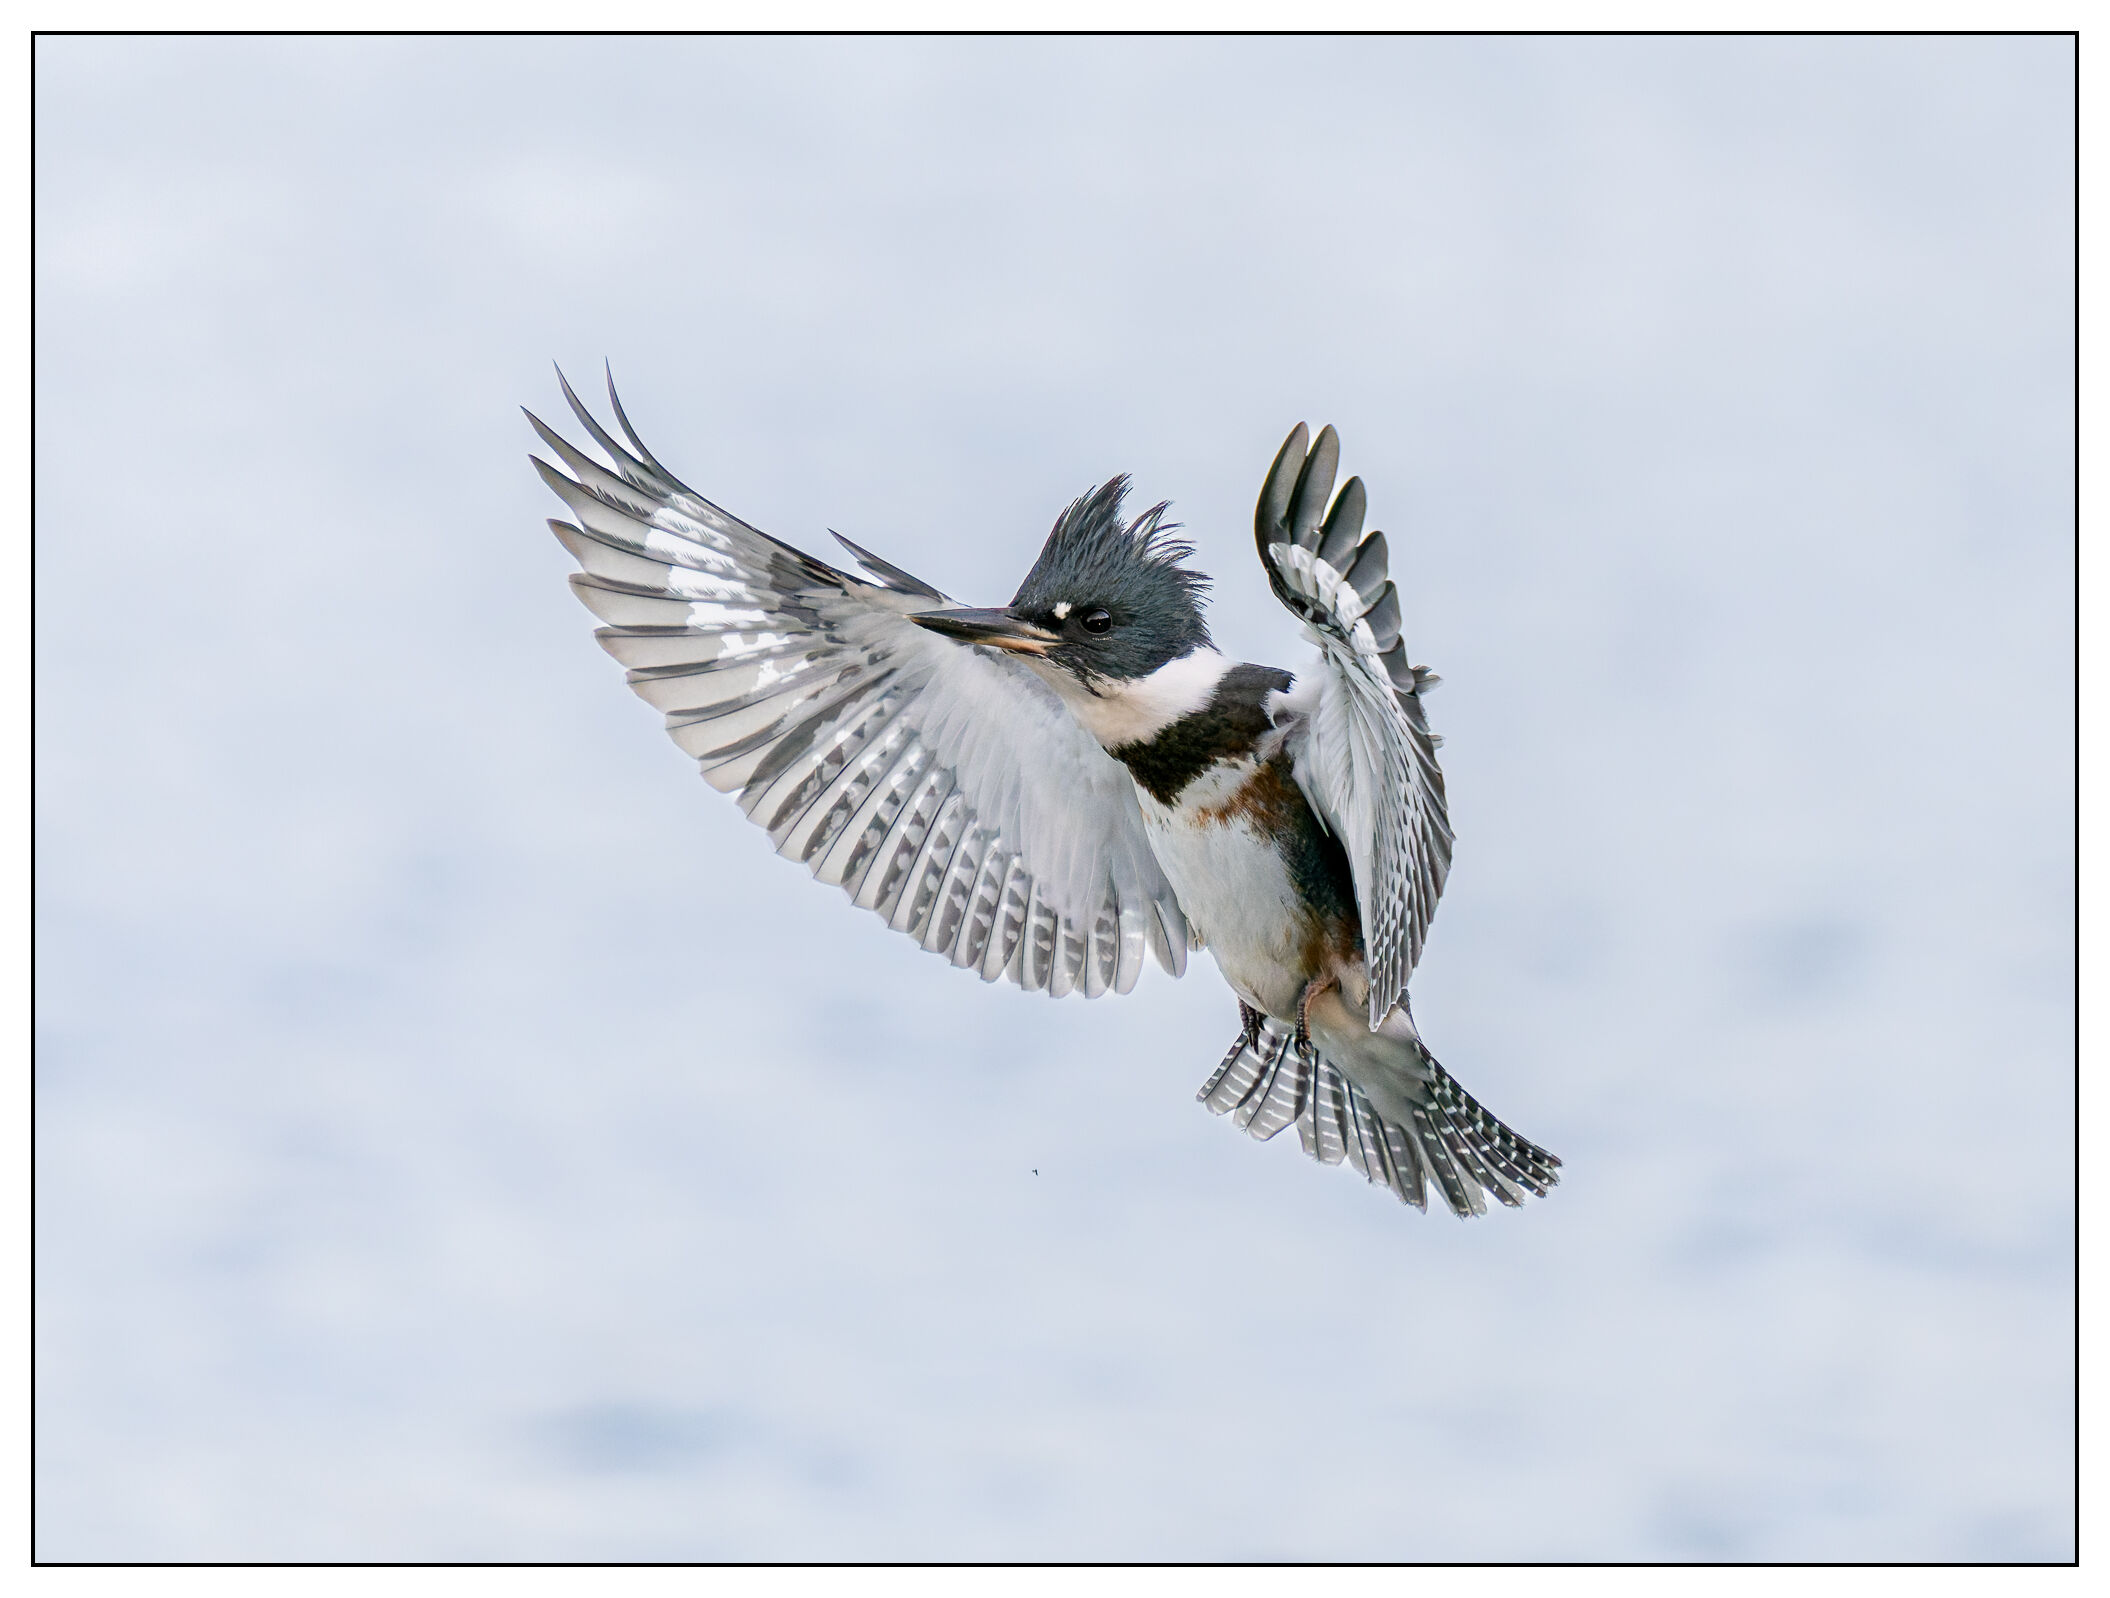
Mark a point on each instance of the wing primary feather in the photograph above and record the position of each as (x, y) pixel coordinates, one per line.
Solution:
(893, 576)
(1314, 488)
(1405, 678)
(1271, 518)
(1367, 572)
(1169, 937)
(625, 463)
(1135, 943)
(1344, 523)
(1383, 618)
(588, 470)
(637, 443)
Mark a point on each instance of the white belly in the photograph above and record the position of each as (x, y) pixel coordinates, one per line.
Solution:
(1236, 891)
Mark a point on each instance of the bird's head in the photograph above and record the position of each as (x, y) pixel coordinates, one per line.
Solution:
(1107, 607)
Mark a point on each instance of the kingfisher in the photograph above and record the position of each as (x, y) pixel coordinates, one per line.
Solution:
(1047, 791)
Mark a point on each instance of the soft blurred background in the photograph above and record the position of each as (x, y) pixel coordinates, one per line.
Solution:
(460, 1137)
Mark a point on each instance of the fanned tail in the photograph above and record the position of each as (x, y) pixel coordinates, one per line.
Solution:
(1268, 1081)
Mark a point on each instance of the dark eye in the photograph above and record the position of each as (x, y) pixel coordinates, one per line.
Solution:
(1096, 621)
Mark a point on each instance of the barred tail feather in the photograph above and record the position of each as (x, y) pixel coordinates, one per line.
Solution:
(1267, 1082)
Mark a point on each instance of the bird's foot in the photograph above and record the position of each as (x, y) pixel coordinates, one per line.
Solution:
(1250, 1019)
(1312, 990)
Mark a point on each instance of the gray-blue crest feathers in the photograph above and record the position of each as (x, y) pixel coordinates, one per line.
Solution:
(1095, 560)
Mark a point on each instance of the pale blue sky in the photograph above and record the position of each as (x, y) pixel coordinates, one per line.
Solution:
(459, 1137)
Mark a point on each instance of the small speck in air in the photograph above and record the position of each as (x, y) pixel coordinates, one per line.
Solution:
(1036, 1170)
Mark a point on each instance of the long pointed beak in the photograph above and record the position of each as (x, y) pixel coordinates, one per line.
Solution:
(999, 629)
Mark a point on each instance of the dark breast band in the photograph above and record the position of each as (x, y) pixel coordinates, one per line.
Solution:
(1228, 727)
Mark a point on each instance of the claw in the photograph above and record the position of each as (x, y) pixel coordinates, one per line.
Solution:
(1250, 1019)
(1312, 990)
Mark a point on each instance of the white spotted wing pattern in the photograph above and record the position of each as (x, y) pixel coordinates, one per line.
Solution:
(941, 785)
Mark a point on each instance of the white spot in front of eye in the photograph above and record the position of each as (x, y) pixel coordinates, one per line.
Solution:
(1062, 611)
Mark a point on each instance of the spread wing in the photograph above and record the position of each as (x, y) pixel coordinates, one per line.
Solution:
(938, 783)
(1361, 747)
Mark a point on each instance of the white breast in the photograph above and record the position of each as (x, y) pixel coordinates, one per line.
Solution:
(1234, 887)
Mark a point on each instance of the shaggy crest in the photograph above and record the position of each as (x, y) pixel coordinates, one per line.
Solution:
(1094, 558)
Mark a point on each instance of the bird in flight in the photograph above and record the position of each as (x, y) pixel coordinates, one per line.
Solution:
(1047, 790)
